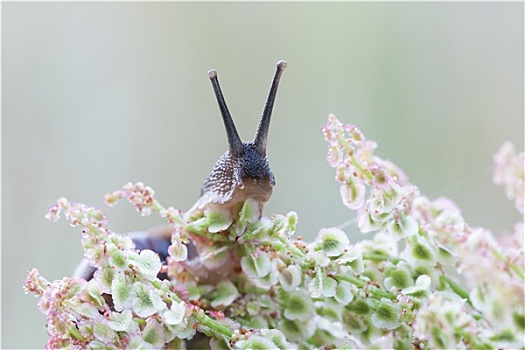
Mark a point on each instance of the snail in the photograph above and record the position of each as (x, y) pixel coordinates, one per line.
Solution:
(242, 172)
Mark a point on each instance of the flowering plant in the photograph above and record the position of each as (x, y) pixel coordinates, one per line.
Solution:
(426, 279)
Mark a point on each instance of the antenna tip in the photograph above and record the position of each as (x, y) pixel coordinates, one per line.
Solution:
(212, 73)
(282, 64)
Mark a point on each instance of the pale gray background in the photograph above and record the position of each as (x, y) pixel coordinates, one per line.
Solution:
(98, 94)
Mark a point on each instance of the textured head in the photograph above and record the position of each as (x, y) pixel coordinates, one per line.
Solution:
(243, 171)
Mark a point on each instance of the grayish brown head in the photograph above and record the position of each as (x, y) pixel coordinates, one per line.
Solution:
(243, 171)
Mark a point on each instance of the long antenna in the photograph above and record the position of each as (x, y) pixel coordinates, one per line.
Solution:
(234, 140)
(261, 136)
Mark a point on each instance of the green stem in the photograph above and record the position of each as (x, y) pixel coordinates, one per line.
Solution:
(140, 321)
(217, 327)
(354, 281)
(456, 288)
(366, 173)
(168, 294)
(373, 289)
(156, 206)
(380, 257)
(293, 249)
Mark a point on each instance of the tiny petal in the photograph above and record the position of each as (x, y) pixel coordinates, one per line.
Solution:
(299, 306)
(153, 333)
(111, 199)
(319, 257)
(386, 315)
(95, 293)
(423, 250)
(122, 293)
(399, 277)
(322, 285)
(344, 293)
(225, 294)
(118, 259)
(256, 264)
(333, 241)
(87, 310)
(103, 332)
(278, 338)
(178, 250)
(352, 259)
(296, 330)
(290, 278)
(175, 314)
(104, 276)
(254, 308)
(403, 227)
(250, 212)
(146, 302)
(213, 257)
(353, 195)
(120, 321)
(509, 172)
(292, 222)
(256, 342)
(35, 283)
(218, 220)
(147, 262)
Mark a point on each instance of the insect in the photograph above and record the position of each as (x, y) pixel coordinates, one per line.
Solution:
(242, 172)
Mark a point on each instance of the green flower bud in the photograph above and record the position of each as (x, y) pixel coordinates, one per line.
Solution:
(299, 306)
(386, 315)
(225, 294)
(322, 285)
(256, 265)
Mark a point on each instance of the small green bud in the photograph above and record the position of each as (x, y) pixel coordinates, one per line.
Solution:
(292, 222)
(120, 321)
(218, 220)
(147, 262)
(253, 308)
(386, 315)
(256, 264)
(299, 306)
(290, 278)
(122, 293)
(399, 278)
(322, 285)
(146, 302)
(102, 332)
(332, 241)
(178, 250)
(344, 293)
(118, 259)
(175, 314)
(153, 333)
(225, 294)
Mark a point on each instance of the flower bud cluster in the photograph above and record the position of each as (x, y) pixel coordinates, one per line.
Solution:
(237, 281)
(509, 172)
(439, 248)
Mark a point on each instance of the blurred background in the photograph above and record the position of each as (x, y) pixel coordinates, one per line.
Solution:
(98, 94)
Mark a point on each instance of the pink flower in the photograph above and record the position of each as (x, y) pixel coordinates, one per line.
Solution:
(509, 172)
